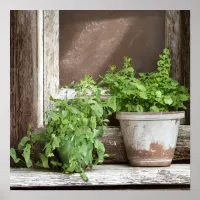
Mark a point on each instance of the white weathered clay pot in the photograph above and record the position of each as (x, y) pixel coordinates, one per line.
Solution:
(149, 137)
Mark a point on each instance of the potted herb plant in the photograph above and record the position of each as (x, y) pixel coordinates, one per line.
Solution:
(149, 108)
(70, 139)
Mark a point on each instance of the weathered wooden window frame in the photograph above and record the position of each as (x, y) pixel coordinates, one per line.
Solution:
(35, 76)
(35, 63)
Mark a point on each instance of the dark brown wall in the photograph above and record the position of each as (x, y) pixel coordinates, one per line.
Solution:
(90, 41)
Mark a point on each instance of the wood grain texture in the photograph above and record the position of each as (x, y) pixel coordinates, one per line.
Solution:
(185, 55)
(51, 55)
(173, 41)
(23, 74)
(177, 39)
(102, 175)
(113, 142)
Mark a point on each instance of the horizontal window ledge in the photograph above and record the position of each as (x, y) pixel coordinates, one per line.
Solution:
(102, 175)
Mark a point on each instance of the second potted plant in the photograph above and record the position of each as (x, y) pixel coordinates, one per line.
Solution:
(149, 109)
(70, 139)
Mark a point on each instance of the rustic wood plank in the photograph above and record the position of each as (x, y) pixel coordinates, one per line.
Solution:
(23, 74)
(185, 55)
(173, 41)
(113, 142)
(102, 175)
(51, 55)
(40, 31)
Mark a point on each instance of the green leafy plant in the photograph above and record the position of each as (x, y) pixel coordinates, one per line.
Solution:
(153, 91)
(88, 86)
(71, 137)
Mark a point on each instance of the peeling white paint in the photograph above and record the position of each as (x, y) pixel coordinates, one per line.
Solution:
(141, 134)
(104, 175)
(40, 68)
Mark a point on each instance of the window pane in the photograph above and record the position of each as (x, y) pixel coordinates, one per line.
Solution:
(90, 41)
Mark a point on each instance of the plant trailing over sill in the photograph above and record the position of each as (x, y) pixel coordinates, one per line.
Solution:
(151, 92)
(70, 140)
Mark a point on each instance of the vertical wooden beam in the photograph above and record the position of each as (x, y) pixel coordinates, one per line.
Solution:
(177, 40)
(185, 55)
(23, 74)
(40, 32)
(173, 41)
(51, 55)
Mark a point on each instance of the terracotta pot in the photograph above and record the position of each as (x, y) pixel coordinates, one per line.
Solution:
(150, 137)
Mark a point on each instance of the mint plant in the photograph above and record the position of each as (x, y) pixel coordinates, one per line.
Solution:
(151, 92)
(71, 138)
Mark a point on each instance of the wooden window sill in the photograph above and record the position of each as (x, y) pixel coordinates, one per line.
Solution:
(105, 175)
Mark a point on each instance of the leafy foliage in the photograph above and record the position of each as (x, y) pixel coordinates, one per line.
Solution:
(153, 91)
(73, 126)
(71, 136)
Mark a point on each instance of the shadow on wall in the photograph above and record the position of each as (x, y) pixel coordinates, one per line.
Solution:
(91, 41)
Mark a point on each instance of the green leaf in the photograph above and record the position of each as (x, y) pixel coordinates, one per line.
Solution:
(64, 113)
(166, 51)
(139, 108)
(181, 105)
(26, 155)
(74, 110)
(97, 109)
(56, 142)
(140, 87)
(71, 127)
(130, 107)
(56, 163)
(54, 116)
(48, 150)
(50, 155)
(23, 142)
(141, 74)
(83, 176)
(93, 122)
(143, 95)
(168, 100)
(106, 155)
(50, 129)
(14, 155)
(71, 167)
(39, 137)
(174, 83)
(112, 68)
(154, 109)
(44, 161)
(158, 93)
(184, 97)
(100, 150)
(111, 102)
(65, 121)
(85, 121)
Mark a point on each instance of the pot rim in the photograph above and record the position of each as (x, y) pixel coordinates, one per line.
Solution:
(145, 116)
